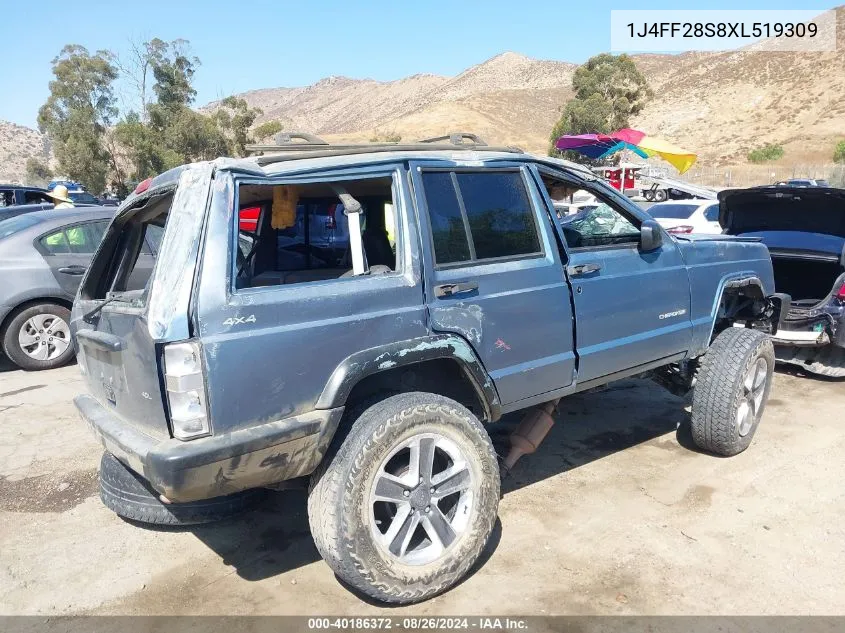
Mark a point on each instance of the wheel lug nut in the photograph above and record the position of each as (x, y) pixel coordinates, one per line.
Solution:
(406, 493)
(427, 509)
(432, 490)
(421, 479)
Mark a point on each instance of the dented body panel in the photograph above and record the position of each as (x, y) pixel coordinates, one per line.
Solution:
(280, 362)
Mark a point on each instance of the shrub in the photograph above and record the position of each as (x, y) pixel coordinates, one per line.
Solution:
(765, 154)
(839, 152)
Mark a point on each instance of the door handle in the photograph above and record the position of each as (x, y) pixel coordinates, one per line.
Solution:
(583, 269)
(73, 270)
(452, 290)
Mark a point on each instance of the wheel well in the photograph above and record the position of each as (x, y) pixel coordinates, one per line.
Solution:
(443, 376)
(739, 303)
(31, 302)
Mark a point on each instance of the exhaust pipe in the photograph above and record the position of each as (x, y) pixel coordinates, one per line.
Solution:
(531, 431)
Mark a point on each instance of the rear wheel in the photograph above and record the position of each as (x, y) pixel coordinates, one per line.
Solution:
(38, 337)
(731, 391)
(404, 507)
(660, 195)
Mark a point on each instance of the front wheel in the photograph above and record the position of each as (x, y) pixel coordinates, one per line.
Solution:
(731, 391)
(407, 503)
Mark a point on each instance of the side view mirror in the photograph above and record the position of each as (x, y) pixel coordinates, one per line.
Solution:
(651, 237)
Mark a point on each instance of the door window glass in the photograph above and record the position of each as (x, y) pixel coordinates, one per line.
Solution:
(501, 219)
(711, 213)
(477, 216)
(444, 212)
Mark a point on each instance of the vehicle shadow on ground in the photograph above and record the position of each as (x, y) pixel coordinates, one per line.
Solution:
(275, 538)
(593, 425)
(6, 364)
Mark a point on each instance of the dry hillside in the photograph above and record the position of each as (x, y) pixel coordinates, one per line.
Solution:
(719, 105)
(17, 143)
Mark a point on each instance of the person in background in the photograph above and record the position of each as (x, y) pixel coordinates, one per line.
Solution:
(59, 194)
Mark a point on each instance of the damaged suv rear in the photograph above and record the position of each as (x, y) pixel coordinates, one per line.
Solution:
(804, 229)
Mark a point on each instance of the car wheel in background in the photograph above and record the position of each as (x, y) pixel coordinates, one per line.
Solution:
(38, 337)
(660, 195)
(731, 390)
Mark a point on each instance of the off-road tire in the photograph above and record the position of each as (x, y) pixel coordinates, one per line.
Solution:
(338, 508)
(718, 391)
(130, 496)
(12, 348)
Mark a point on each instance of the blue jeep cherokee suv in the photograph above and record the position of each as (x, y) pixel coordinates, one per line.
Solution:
(374, 364)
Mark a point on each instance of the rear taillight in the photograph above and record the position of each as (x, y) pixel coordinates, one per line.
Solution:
(840, 294)
(143, 186)
(185, 384)
(683, 228)
(331, 223)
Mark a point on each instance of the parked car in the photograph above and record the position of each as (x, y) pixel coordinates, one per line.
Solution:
(17, 195)
(687, 216)
(43, 255)
(802, 182)
(236, 366)
(804, 230)
(84, 199)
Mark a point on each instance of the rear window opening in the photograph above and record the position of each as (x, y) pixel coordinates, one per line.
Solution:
(299, 233)
(124, 264)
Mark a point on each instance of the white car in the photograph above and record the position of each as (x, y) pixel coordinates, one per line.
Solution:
(687, 216)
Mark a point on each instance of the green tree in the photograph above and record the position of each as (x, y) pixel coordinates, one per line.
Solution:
(79, 110)
(764, 154)
(234, 117)
(609, 90)
(266, 130)
(37, 172)
(839, 152)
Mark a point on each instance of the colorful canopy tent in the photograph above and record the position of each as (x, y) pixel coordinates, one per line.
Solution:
(601, 145)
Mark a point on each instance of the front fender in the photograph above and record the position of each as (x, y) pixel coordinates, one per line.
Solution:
(359, 365)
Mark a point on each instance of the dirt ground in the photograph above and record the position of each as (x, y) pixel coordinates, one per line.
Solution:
(615, 514)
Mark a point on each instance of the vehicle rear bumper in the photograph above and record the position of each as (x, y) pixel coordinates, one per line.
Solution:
(220, 464)
(813, 327)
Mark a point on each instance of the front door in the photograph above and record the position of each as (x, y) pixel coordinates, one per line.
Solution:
(494, 274)
(631, 307)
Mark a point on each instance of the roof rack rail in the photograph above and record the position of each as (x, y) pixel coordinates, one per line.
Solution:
(456, 138)
(299, 145)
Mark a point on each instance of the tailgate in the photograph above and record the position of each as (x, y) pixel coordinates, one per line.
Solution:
(136, 297)
(118, 361)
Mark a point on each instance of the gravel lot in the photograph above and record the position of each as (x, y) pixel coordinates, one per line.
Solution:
(615, 514)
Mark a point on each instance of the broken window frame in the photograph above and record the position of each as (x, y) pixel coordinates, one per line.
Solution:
(335, 176)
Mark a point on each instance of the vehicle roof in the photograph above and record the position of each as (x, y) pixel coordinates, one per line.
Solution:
(27, 187)
(688, 201)
(60, 217)
(307, 161)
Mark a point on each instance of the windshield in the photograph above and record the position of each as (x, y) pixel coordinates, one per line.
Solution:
(15, 224)
(672, 211)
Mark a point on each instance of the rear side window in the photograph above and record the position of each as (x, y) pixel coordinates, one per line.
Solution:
(711, 213)
(36, 197)
(7, 197)
(672, 211)
(480, 216)
(81, 239)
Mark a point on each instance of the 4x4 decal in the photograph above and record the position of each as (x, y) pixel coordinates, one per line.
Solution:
(239, 320)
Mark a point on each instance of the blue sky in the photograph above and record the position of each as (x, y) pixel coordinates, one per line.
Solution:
(248, 44)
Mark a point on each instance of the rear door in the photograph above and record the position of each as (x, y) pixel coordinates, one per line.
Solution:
(494, 274)
(68, 252)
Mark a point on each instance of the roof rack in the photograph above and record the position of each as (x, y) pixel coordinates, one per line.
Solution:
(305, 145)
